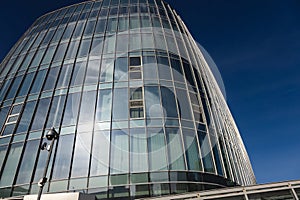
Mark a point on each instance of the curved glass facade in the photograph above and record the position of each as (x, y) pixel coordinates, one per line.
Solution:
(137, 108)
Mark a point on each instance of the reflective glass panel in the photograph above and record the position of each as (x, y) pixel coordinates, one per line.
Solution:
(138, 150)
(103, 112)
(63, 157)
(10, 168)
(40, 114)
(119, 152)
(82, 153)
(71, 110)
(100, 153)
(28, 160)
(175, 152)
(157, 148)
(120, 104)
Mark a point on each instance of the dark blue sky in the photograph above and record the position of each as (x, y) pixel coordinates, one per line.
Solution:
(256, 45)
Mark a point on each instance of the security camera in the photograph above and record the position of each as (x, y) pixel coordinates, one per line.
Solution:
(52, 134)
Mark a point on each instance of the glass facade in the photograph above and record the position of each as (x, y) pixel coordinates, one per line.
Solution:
(137, 108)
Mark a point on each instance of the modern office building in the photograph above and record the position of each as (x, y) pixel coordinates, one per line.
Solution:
(137, 108)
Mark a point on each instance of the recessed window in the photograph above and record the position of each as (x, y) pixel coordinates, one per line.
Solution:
(135, 61)
(12, 119)
(136, 103)
(135, 68)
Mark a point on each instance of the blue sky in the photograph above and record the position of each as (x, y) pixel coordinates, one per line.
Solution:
(256, 46)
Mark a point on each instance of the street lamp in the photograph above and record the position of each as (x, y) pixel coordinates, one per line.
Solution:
(52, 135)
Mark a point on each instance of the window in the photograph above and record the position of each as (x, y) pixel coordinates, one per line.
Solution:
(136, 103)
(11, 165)
(12, 119)
(135, 68)
(157, 148)
(175, 151)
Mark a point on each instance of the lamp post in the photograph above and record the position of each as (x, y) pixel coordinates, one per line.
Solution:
(52, 135)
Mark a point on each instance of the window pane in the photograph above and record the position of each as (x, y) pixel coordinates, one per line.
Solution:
(63, 157)
(112, 25)
(107, 69)
(26, 117)
(103, 112)
(147, 41)
(92, 72)
(89, 28)
(168, 102)
(135, 61)
(38, 40)
(10, 168)
(121, 45)
(121, 69)
(48, 37)
(14, 87)
(134, 21)
(97, 47)
(84, 48)
(205, 151)
(138, 150)
(177, 71)
(71, 110)
(3, 150)
(41, 114)
(175, 152)
(65, 75)
(26, 84)
(135, 42)
(58, 34)
(26, 62)
(51, 79)
(82, 153)
(160, 42)
(28, 161)
(100, 156)
(136, 93)
(60, 53)
(101, 25)
(49, 54)
(119, 152)
(4, 88)
(191, 150)
(78, 74)
(123, 23)
(150, 68)
(87, 107)
(79, 29)
(157, 148)
(72, 50)
(55, 112)
(3, 115)
(183, 100)
(38, 57)
(163, 68)
(120, 108)
(38, 82)
(152, 99)
(109, 44)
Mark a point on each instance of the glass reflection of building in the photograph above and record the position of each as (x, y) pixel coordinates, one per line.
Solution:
(138, 110)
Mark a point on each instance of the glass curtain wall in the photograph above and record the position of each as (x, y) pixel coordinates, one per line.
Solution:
(130, 94)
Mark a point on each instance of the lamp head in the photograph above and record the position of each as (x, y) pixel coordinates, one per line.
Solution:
(52, 134)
